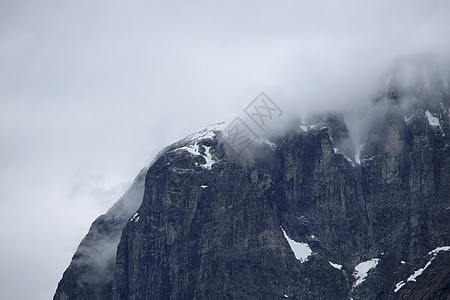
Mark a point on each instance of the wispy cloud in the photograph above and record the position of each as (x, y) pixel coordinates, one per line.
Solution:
(90, 91)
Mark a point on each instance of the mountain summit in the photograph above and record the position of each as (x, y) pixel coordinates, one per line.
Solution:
(308, 215)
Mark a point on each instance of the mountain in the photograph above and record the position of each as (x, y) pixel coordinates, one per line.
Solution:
(305, 214)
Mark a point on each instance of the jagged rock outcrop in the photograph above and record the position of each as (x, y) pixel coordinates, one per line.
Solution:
(295, 218)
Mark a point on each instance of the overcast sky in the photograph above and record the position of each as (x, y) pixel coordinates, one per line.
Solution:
(91, 90)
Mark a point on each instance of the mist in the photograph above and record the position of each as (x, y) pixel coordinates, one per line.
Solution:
(91, 91)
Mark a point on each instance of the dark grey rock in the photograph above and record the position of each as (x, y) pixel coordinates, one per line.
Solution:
(90, 274)
(215, 231)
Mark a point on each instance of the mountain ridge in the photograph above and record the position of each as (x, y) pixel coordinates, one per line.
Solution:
(214, 225)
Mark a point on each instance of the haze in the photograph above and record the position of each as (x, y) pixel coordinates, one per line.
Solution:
(91, 90)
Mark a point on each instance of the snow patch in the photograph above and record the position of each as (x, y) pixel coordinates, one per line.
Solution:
(368, 159)
(398, 286)
(265, 141)
(208, 132)
(135, 217)
(407, 119)
(419, 272)
(434, 253)
(301, 250)
(433, 121)
(439, 249)
(194, 149)
(305, 128)
(336, 266)
(338, 151)
(209, 159)
(363, 268)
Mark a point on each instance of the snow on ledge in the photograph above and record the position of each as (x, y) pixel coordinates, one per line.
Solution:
(433, 121)
(265, 141)
(407, 119)
(362, 269)
(305, 128)
(339, 152)
(209, 159)
(398, 286)
(301, 250)
(207, 133)
(135, 217)
(194, 149)
(419, 272)
(439, 249)
(434, 253)
(336, 266)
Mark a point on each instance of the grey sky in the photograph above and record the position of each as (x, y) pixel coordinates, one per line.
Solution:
(91, 90)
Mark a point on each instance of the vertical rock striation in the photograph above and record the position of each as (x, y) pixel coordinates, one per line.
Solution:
(214, 226)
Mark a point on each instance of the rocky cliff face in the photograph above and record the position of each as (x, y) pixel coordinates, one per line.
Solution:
(300, 217)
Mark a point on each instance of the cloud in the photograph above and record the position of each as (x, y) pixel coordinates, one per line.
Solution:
(92, 90)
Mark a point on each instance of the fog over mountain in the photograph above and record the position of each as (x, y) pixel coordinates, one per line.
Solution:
(230, 214)
(91, 92)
